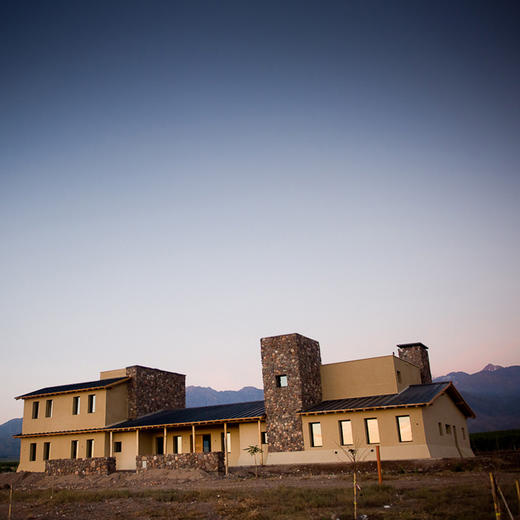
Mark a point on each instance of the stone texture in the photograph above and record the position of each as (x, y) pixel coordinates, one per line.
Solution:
(417, 354)
(299, 358)
(151, 390)
(94, 466)
(211, 462)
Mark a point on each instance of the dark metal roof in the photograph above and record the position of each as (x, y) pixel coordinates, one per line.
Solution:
(89, 385)
(413, 395)
(220, 412)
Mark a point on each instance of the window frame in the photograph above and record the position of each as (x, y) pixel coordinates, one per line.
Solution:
(367, 430)
(118, 446)
(341, 436)
(399, 429)
(177, 444)
(35, 409)
(315, 435)
(32, 451)
(282, 381)
(91, 403)
(49, 405)
(46, 450)
(74, 446)
(89, 449)
(76, 405)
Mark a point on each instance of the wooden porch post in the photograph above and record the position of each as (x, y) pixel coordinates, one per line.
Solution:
(226, 462)
(164, 442)
(111, 448)
(260, 443)
(136, 442)
(193, 438)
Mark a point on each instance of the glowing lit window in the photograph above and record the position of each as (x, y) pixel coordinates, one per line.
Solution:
(404, 427)
(345, 428)
(316, 437)
(372, 429)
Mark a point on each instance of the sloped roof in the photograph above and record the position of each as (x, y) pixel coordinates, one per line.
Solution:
(203, 414)
(75, 387)
(413, 395)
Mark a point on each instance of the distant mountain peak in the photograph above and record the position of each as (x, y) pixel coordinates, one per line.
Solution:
(491, 368)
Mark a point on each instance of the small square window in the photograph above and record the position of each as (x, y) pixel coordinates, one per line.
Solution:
(281, 380)
(48, 408)
(118, 447)
(32, 452)
(35, 409)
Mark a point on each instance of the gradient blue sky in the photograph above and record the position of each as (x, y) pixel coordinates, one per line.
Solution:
(179, 179)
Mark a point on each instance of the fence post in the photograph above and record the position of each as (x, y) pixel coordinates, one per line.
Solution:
(10, 512)
(379, 472)
(496, 503)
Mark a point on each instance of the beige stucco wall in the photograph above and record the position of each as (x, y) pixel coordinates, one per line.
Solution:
(110, 374)
(60, 448)
(116, 404)
(362, 377)
(444, 411)
(126, 458)
(62, 418)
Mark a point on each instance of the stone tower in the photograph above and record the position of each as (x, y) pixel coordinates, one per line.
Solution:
(292, 381)
(417, 354)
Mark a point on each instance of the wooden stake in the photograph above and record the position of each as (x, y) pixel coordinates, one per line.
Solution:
(111, 450)
(505, 503)
(496, 503)
(379, 472)
(165, 445)
(193, 437)
(10, 512)
(518, 495)
(355, 497)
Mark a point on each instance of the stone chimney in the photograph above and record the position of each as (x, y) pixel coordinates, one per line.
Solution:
(292, 381)
(417, 354)
(151, 390)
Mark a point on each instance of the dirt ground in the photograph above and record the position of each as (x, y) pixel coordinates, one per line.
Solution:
(428, 492)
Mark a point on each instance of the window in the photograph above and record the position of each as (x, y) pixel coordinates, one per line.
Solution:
(281, 381)
(399, 380)
(90, 448)
(32, 451)
(91, 403)
(206, 443)
(159, 445)
(463, 434)
(118, 447)
(73, 449)
(448, 429)
(372, 429)
(441, 433)
(177, 444)
(228, 441)
(35, 409)
(345, 430)
(46, 450)
(316, 437)
(75, 405)
(264, 437)
(404, 428)
(48, 408)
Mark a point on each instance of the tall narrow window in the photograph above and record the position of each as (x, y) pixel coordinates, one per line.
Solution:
(73, 449)
(32, 451)
(118, 447)
(345, 430)
(90, 448)
(399, 380)
(75, 405)
(448, 429)
(264, 437)
(372, 429)
(35, 409)
(316, 437)
(206, 443)
(228, 441)
(177, 444)
(404, 428)
(281, 380)
(441, 433)
(46, 450)
(92, 403)
(159, 445)
(48, 408)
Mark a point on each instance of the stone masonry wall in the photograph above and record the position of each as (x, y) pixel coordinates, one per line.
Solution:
(94, 466)
(418, 356)
(299, 358)
(211, 462)
(151, 390)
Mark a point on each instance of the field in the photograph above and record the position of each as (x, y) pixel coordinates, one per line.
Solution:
(448, 490)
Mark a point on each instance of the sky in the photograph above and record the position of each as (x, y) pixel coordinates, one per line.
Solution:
(180, 179)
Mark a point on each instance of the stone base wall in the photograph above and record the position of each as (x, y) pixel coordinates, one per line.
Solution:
(210, 462)
(94, 466)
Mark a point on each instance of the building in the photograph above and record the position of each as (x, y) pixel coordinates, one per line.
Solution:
(311, 413)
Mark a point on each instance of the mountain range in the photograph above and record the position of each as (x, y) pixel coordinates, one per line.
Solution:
(493, 394)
